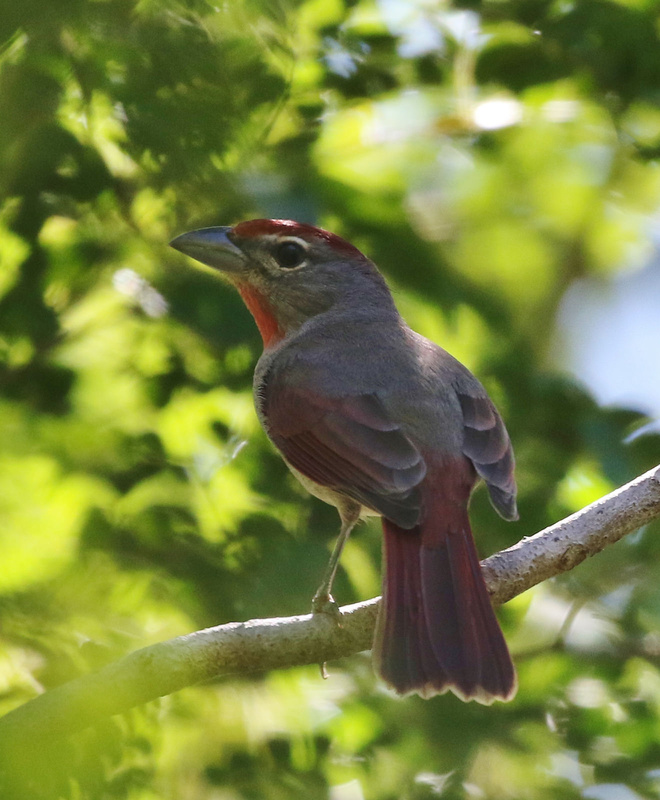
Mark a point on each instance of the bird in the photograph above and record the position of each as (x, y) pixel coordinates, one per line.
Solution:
(375, 419)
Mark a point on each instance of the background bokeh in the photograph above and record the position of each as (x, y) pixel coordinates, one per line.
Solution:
(499, 161)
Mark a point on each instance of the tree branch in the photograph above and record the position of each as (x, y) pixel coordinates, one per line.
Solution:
(260, 645)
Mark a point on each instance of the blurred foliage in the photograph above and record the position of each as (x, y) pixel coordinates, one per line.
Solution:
(485, 155)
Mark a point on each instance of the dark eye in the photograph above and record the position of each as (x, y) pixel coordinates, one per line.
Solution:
(289, 254)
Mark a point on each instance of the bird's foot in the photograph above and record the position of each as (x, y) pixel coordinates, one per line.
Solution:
(324, 603)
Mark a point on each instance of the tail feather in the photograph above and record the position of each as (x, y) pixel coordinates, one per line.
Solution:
(402, 647)
(437, 630)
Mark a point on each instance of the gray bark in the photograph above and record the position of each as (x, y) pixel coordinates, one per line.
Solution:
(260, 645)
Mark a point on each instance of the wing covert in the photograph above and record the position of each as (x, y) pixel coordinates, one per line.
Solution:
(347, 444)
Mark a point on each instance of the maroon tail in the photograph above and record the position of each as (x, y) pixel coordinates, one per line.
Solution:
(437, 630)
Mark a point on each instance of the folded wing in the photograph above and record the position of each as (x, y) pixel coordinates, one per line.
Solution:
(347, 444)
(486, 443)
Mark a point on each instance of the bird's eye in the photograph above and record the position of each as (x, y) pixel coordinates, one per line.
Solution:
(289, 254)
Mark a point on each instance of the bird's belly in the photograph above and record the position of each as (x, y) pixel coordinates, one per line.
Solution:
(326, 494)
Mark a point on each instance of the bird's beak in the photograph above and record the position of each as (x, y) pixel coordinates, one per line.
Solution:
(212, 247)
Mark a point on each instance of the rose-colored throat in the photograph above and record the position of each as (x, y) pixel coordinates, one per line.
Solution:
(269, 327)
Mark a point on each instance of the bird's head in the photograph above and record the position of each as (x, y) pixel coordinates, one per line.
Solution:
(288, 272)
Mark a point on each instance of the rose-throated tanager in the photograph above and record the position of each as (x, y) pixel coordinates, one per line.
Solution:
(377, 420)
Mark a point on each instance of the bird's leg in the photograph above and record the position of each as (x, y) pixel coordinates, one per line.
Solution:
(323, 600)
